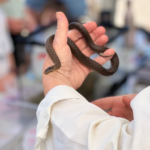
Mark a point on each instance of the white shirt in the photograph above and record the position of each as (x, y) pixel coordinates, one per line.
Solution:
(6, 45)
(67, 121)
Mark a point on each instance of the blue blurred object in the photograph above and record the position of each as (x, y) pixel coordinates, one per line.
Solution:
(142, 43)
(74, 8)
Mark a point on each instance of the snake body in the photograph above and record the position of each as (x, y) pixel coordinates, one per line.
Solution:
(79, 55)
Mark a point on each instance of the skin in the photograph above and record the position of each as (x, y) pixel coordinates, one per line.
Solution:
(118, 106)
(72, 73)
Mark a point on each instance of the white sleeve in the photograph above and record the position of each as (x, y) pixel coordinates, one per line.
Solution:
(67, 121)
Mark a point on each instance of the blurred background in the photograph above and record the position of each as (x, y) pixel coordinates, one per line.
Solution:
(24, 28)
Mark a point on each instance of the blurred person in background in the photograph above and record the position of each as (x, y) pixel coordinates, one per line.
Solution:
(16, 25)
(42, 13)
(7, 62)
(35, 13)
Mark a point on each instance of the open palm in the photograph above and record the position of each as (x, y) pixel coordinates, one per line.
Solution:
(71, 69)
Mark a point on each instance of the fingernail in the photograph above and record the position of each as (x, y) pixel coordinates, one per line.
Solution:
(58, 15)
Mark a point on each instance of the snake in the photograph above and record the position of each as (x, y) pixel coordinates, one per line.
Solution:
(90, 63)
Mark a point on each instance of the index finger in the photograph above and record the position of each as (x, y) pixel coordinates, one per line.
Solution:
(75, 34)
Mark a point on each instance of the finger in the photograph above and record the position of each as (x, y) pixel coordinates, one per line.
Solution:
(102, 40)
(60, 39)
(91, 27)
(127, 100)
(75, 34)
(99, 31)
(131, 96)
(103, 60)
(95, 34)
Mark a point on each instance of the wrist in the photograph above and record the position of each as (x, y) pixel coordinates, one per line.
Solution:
(53, 80)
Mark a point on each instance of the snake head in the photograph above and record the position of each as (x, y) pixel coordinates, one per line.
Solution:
(49, 70)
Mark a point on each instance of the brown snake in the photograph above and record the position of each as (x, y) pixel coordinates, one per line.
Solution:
(79, 55)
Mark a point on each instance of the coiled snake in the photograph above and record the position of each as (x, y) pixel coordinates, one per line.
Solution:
(79, 55)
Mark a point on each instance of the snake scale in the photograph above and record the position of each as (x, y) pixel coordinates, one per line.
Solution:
(79, 55)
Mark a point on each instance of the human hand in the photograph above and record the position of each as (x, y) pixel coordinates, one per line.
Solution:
(118, 106)
(15, 25)
(72, 72)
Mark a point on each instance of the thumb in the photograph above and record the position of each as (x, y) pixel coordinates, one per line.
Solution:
(60, 39)
(126, 100)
